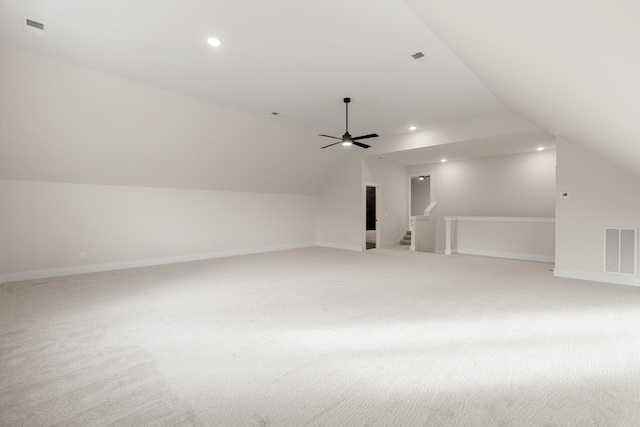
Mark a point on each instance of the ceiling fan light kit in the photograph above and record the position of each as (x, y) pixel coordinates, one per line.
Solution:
(346, 139)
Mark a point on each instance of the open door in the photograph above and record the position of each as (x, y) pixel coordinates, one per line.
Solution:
(372, 225)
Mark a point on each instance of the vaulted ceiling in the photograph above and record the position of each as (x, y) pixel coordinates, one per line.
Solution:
(572, 67)
(569, 69)
(297, 58)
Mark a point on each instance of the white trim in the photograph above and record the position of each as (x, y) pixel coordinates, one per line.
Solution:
(96, 268)
(499, 219)
(340, 246)
(432, 205)
(597, 277)
(391, 244)
(447, 243)
(509, 255)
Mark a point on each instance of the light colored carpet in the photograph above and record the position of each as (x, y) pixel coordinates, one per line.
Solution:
(321, 337)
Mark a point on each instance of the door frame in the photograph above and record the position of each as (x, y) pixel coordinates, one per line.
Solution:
(378, 188)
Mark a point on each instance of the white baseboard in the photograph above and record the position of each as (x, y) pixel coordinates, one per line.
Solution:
(597, 277)
(390, 244)
(340, 246)
(95, 268)
(509, 255)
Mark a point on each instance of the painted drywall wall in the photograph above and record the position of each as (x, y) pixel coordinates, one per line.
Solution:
(340, 213)
(394, 217)
(600, 195)
(515, 185)
(47, 224)
(64, 123)
(528, 239)
(1, 231)
(420, 195)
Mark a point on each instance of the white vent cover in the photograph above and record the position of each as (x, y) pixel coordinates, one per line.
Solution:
(33, 26)
(621, 251)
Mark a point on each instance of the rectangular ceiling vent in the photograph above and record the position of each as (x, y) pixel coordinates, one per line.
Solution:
(621, 251)
(34, 27)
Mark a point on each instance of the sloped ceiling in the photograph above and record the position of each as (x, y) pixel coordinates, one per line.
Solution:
(297, 58)
(571, 67)
(64, 123)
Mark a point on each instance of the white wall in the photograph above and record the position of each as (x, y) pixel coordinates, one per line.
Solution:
(47, 224)
(515, 185)
(601, 195)
(64, 123)
(394, 216)
(340, 215)
(132, 174)
(2, 203)
(424, 234)
(530, 239)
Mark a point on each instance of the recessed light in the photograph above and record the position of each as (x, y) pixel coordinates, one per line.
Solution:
(213, 41)
(275, 113)
(540, 149)
(412, 128)
(443, 161)
(421, 178)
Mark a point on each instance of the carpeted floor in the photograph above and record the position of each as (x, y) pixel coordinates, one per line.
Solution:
(321, 337)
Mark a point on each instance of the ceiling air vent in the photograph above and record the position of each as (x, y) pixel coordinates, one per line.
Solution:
(34, 27)
(621, 251)
(35, 24)
(417, 55)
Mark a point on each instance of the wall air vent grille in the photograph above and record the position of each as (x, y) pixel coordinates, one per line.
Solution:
(621, 251)
(35, 24)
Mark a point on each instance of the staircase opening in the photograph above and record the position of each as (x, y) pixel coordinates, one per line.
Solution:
(406, 239)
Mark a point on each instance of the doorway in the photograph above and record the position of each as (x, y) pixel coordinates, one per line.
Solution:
(372, 226)
(420, 194)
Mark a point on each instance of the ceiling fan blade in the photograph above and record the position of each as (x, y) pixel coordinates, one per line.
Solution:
(339, 142)
(371, 135)
(360, 144)
(334, 137)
